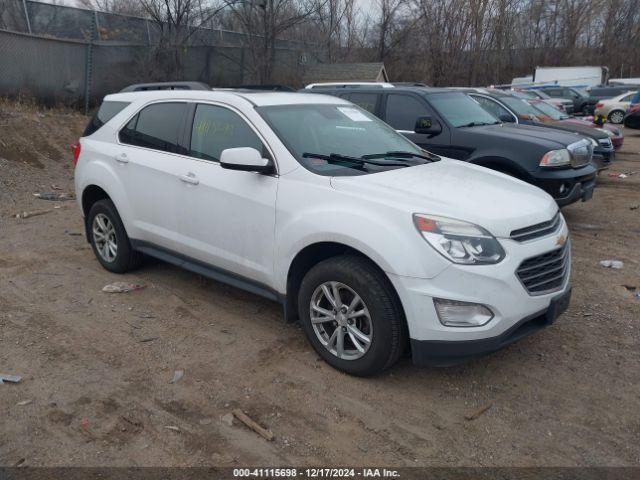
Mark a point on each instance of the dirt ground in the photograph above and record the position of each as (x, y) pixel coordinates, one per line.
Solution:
(96, 367)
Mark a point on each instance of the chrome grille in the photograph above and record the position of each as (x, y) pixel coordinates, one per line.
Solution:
(581, 152)
(545, 273)
(537, 230)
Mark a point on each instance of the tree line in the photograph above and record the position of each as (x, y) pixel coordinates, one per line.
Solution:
(439, 42)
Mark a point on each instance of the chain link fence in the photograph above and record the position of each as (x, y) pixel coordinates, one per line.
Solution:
(74, 56)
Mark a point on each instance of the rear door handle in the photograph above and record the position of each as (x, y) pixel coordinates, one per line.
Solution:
(122, 158)
(190, 178)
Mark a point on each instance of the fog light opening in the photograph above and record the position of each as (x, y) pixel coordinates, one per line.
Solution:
(453, 313)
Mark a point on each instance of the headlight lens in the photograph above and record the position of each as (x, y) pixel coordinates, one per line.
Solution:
(593, 142)
(556, 158)
(458, 241)
(608, 132)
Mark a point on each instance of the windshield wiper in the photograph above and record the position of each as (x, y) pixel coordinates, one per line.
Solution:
(428, 156)
(477, 124)
(338, 158)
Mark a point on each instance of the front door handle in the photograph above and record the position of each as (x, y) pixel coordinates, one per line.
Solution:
(190, 178)
(122, 158)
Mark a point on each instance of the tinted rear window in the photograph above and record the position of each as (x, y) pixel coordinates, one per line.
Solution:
(157, 126)
(106, 112)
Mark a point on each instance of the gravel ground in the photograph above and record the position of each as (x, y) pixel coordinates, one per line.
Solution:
(97, 367)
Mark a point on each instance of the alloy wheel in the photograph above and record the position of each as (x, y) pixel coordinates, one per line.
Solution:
(616, 117)
(341, 320)
(104, 237)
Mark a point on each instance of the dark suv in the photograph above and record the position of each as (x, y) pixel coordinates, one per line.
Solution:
(510, 108)
(582, 101)
(451, 124)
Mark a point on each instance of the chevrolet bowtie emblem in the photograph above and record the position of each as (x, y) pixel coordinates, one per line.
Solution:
(561, 240)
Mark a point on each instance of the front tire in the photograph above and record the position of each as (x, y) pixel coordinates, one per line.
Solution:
(109, 239)
(352, 316)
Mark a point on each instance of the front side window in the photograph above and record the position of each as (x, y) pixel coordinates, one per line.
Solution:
(314, 132)
(521, 107)
(403, 111)
(460, 110)
(157, 126)
(492, 107)
(217, 128)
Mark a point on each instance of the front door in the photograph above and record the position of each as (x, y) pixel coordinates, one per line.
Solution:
(401, 112)
(227, 217)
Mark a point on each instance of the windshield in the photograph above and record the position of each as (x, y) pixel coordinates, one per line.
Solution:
(583, 93)
(521, 107)
(550, 110)
(315, 132)
(460, 110)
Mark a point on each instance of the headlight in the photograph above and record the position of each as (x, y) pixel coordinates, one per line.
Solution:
(556, 158)
(458, 241)
(593, 142)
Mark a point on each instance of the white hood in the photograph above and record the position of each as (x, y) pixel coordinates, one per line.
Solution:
(459, 190)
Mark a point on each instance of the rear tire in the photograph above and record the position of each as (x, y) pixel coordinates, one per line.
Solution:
(373, 331)
(616, 116)
(109, 239)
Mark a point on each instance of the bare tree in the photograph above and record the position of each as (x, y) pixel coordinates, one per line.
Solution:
(265, 22)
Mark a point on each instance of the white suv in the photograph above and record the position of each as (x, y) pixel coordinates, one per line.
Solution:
(376, 246)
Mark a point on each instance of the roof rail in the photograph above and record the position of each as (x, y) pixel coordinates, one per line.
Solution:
(141, 87)
(313, 86)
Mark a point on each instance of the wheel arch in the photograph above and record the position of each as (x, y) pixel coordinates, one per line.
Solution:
(310, 256)
(90, 195)
(501, 164)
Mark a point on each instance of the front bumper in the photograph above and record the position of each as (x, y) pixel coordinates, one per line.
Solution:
(498, 287)
(617, 142)
(568, 185)
(447, 353)
(602, 158)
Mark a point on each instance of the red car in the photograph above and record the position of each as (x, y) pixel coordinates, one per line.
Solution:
(617, 139)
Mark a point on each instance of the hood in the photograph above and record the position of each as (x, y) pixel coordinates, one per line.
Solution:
(455, 189)
(592, 126)
(550, 138)
(586, 130)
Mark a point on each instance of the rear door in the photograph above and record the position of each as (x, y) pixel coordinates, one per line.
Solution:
(227, 217)
(366, 100)
(402, 110)
(147, 155)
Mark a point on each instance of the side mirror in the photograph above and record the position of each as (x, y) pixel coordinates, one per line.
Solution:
(245, 159)
(506, 118)
(427, 125)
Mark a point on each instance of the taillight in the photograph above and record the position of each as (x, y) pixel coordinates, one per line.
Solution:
(599, 105)
(634, 108)
(76, 153)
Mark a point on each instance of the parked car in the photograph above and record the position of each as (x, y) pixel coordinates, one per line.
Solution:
(582, 102)
(613, 109)
(632, 117)
(509, 108)
(375, 245)
(449, 123)
(614, 133)
(562, 104)
(608, 91)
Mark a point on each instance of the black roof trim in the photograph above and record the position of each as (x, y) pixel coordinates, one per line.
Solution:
(141, 87)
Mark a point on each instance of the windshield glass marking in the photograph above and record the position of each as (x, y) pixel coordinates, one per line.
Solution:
(335, 132)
